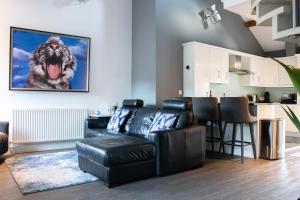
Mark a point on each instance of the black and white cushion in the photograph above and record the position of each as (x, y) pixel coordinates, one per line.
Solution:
(163, 121)
(117, 121)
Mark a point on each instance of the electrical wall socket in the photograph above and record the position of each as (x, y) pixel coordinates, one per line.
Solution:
(180, 92)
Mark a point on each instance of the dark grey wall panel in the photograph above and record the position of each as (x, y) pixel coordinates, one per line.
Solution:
(178, 22)
(160, 27)
(144, 50)
(279, 53)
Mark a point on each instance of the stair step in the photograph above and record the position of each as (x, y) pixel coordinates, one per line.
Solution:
(266, 20)
(281, 15)
(268, 4)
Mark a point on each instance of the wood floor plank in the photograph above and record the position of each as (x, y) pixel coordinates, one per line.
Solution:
(219, 179)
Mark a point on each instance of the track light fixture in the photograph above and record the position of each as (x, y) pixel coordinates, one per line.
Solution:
(211, 14)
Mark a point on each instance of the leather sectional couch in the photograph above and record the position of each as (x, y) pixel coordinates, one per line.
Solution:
(135, 152)
(3, 137)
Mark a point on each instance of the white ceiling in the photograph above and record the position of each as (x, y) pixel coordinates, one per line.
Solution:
(263, 34)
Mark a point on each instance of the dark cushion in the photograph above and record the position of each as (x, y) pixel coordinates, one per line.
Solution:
(140, 121)
(118, 120)
(3, 143)
(184, 119)
(109, 151)
(163, 121)
(180, 107)
(133, 103)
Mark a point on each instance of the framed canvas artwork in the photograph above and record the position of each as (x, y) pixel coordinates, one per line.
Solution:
(46, 61)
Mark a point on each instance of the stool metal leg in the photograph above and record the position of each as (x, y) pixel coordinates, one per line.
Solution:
(242, 142)
(233, 139)
(212, 136)
(221, 137)
(252, 139)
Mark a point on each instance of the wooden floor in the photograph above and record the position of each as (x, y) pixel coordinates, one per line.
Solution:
(218, 179)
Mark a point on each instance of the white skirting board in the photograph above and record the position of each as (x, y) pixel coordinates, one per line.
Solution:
(42, 146)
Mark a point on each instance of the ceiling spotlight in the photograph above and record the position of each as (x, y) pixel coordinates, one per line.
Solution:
(212, 14)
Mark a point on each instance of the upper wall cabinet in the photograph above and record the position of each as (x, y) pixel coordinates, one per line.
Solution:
(219, 65)
(270, 73)
(283, 78)
(256, 78)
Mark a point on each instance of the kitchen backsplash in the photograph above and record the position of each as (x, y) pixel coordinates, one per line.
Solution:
(277, 93)
(234, 88)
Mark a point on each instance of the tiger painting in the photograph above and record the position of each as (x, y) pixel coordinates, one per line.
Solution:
(52, 66)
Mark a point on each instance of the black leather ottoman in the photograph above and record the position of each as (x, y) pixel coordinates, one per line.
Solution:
(117, 159)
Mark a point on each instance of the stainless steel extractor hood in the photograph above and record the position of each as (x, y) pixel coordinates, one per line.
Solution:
(239, 65)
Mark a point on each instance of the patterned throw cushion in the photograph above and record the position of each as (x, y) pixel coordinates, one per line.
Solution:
(117, 121)
(163, 121)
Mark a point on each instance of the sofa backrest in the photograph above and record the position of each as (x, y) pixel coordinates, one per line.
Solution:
(141, 119)
(180, 107)
(140, 122)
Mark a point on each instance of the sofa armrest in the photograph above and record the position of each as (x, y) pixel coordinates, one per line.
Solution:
(93, 125)
(179, 149)
(97, 123)
(4, 127)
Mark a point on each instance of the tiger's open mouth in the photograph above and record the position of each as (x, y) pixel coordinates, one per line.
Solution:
(54, 68)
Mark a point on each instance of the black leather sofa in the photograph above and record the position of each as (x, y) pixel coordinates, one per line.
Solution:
(135, 153)
(3, 137)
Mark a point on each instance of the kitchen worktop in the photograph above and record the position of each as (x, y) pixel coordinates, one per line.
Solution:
(273, 103)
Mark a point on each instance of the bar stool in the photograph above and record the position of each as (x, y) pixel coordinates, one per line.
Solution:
(206, 109)
(235, 110)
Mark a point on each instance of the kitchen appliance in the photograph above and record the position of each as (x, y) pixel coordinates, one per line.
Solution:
(290, 98)
(267, 97)
(253, 98)
(239, 64)
(261, 99)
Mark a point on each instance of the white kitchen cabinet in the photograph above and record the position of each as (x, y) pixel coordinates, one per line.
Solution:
(257, 76)
(283, 78)
(203, 64)
(196, 74)
(219, 65)
(259, 71)
(270, 73)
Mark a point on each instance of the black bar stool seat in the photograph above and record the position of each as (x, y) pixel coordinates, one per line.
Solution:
(206, 110)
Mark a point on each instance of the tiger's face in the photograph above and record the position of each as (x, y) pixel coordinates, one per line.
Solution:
(52, 66)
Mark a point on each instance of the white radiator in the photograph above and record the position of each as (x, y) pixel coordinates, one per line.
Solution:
(43, 125)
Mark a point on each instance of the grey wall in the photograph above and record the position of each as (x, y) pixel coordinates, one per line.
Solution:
(177, 22)
(144, 50)
(278, 53)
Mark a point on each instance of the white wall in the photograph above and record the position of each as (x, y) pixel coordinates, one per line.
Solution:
(107, 22)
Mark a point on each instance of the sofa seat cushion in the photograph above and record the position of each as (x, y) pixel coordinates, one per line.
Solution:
(116, 150)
